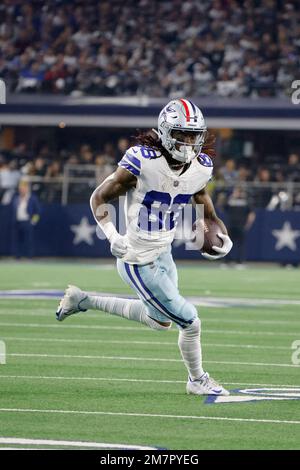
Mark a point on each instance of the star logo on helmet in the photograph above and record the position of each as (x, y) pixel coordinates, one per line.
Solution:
(170, 109)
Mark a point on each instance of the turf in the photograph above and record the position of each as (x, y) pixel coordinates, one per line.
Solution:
(120, 372)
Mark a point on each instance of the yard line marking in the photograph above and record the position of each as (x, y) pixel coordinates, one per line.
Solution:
(132, 328)
(151, 359)
(77, 327)
(147, 415)
(155, 343)
(113, 379)
(50, 442)
(245, 333)
(207, 301)
(239, 301)
(250, 322)
(203, 318)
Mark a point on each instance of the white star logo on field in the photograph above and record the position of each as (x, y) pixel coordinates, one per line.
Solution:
(83, 232)
(286, 237)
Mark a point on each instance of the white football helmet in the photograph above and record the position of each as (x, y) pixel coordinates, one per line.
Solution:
(181, 115)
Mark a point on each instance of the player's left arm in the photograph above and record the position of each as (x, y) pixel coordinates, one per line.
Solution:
(203, 198)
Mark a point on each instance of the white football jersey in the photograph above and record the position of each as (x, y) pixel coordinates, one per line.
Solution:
(154, 205)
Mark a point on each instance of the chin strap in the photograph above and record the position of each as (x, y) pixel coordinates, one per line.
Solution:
(156, 132)
(185, 154)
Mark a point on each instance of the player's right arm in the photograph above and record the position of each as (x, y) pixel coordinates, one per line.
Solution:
(114, 186)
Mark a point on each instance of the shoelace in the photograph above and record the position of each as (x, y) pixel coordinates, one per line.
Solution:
(208, 381)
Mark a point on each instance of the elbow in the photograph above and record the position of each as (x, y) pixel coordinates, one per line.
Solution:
(95, 200)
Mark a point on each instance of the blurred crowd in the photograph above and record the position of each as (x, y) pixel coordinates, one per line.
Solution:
(48, 171)
(271, 183)
(150, 47)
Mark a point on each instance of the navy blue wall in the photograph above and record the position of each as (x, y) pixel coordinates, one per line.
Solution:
(54, 235)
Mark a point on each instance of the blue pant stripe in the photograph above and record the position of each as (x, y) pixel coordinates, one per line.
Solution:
(167, 312)
(127, 267)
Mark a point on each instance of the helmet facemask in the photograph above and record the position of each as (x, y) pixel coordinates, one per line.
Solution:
(181, 149)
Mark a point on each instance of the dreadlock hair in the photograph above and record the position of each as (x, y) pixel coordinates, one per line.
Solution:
(151, 139)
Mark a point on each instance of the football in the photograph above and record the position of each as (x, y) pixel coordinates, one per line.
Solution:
(206, 230)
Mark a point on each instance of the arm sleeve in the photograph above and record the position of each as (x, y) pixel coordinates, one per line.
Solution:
(131, 161)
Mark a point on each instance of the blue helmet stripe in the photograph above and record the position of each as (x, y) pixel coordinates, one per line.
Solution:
(193, 106)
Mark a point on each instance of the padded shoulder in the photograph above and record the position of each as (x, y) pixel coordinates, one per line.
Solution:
(134, 157)
(146, 152)
(132, 161)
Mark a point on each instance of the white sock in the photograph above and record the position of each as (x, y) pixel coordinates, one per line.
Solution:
(127, 308)
(190, 348)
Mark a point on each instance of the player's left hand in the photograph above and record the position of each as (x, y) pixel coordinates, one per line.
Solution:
(221, 251)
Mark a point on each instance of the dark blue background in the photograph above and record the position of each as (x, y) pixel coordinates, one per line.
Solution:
(53, 236)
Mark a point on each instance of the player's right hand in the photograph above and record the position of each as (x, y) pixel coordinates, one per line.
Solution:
(118, 245)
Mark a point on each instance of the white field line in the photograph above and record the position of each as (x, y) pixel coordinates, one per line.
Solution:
(44, 312)
(113, 379)
(148, 415)
(204, 319)
(50, 442)
(154, 343)
(207, 301)
(148, 359)
(251, 322)
(138, 329)
(242, 301)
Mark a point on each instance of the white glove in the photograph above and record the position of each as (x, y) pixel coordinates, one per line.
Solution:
(223, 250)
(118, 245)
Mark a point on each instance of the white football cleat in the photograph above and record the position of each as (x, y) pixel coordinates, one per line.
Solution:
(70, 303)
(205, 386)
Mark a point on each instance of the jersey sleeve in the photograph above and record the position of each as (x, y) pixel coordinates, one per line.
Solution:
(205, 161)
(132, 161)
(206, 164)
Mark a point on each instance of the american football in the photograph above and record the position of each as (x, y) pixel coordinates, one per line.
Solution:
(206, 237)
(211, 238)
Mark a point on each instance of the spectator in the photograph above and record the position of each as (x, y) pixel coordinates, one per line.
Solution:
(9, 178)
(230, 48)
(240, 218)
(26, 214)
(54, 188)
(228, 172)
(293, 168)
(262, 192)
(122, 147)
(105, 165)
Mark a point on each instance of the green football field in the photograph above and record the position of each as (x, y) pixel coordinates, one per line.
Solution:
(96, 378)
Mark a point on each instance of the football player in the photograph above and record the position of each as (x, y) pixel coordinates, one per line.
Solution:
(159, 177)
